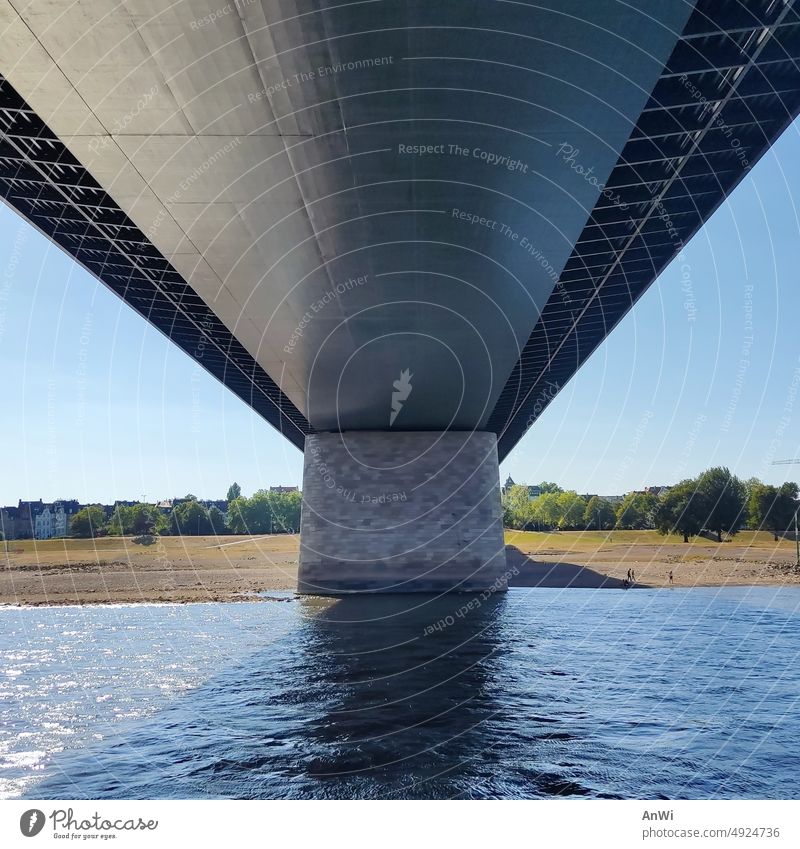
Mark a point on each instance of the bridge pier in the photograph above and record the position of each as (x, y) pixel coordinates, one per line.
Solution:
(397, 512)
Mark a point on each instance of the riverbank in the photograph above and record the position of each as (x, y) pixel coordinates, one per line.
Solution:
(232, 568)
(170, 569)
(595, 559)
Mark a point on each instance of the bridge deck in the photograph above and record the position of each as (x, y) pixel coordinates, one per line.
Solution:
(729, 88)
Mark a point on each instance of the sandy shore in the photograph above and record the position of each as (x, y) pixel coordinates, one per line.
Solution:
(172, 569)
(594, 559)
(175, 569)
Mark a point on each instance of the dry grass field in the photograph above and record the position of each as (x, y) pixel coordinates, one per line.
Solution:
(184, 569)
(603, 558)
(118, 569)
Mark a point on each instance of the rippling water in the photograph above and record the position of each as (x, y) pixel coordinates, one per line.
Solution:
(682, 693)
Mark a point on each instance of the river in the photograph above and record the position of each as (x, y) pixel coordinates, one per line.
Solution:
(536, 693)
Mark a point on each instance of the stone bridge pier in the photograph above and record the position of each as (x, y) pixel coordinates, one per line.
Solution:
(400, 512)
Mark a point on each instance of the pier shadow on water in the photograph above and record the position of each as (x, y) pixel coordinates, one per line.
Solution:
(381, 697)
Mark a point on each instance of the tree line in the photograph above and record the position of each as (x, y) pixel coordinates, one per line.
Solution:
(715, 501)
(263, 513)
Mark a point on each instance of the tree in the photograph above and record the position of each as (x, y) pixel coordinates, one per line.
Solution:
(599, 514)
(546, 487)
(681, 510)
(191, 519)
(761, 499)
(88, 522)
(545, 510)
(635, 511)
(237, 521)
(785, 508)
(750, 484)
(772, 508)
(265, 513)
(285, 510)
(517, 512)
(234, 491)
(138, 519)
(724, 496)
(216, 519)
(571, 507)
(147, 519)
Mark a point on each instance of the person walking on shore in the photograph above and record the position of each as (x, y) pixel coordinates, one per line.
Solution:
(670, 577)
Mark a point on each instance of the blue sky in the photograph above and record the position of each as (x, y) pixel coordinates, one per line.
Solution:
(705, 370)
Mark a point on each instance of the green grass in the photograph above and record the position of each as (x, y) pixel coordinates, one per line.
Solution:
(592, 540)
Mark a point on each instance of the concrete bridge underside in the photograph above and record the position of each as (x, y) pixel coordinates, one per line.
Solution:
(396, 229)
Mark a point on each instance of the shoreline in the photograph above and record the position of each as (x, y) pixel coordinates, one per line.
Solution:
(187, 570)
(257, 599)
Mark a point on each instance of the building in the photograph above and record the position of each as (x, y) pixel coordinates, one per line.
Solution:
(533, 491)
(284, 489)
(220, 503)
(43, 524)
(27, 511)
(8, 522)
(54, 519)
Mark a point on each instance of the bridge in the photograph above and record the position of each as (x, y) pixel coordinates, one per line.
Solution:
(394, 229)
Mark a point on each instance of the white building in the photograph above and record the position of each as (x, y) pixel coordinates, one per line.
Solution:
(53, 521)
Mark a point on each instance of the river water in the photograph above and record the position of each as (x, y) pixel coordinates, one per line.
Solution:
(537, 693)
